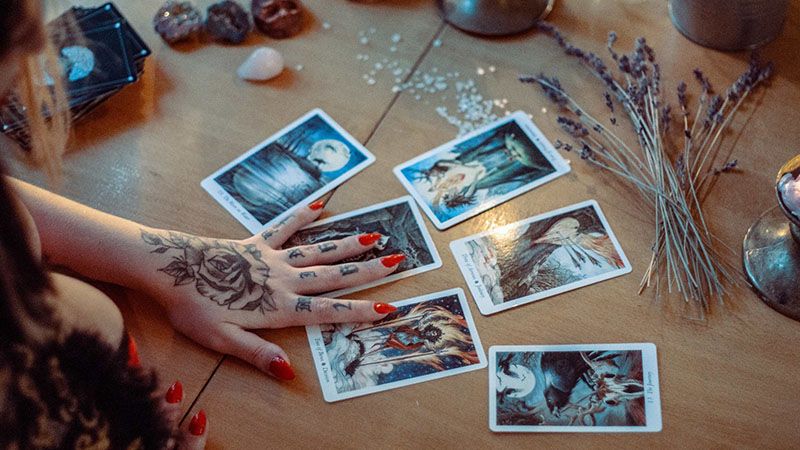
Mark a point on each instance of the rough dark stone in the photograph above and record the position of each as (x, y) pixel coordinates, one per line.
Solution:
(228, 22)
(277, 18)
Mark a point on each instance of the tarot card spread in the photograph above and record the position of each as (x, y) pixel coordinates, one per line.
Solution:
(301, 162)
(428, 337)
(540, 257)
(574, 388)
(476, 172)
(403, 231)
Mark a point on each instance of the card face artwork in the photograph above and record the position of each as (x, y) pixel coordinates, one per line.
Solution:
(476, 172)
(540, 257)
(403, 230)
(574, 388)
(301, 162)
(428, 337)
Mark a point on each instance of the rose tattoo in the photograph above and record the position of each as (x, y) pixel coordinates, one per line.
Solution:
(229, 274)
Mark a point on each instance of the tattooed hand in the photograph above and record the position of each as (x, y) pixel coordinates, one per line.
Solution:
(214, 289)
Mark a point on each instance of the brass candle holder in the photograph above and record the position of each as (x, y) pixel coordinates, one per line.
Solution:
(771, 250)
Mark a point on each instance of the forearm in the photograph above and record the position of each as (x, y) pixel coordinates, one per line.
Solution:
(93, 243)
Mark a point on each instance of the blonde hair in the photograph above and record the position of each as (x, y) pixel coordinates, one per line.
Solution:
(47, 110)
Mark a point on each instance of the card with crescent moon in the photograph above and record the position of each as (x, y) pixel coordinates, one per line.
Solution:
(587, 388)
(481, 170)
(288, 170)
(539, 257)
(429, 337)
(402, 229)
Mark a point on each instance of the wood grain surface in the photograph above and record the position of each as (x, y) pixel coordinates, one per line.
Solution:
(727, 381)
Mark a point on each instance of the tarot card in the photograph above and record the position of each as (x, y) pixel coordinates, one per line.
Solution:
(403, 230)
(96, 60)
(593, 388)
(299, 163)
(483, 169)
(427, 338)
(108, 13)
(540, 257)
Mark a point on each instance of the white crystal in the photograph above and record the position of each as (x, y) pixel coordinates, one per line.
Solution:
(480, 71)
(437, 43)
(298, 67)
(264, 63)
(326, 25)
(396, 38)
(364, 40)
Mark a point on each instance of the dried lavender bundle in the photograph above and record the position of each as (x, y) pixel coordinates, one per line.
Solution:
(672, 178)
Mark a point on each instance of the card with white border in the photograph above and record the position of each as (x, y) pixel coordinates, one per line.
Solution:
(429, 337)
(403, 231)
(539, 257)
(306, 159)
(481, 170)
(583, 388)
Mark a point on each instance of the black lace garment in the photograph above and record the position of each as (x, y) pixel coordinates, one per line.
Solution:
(77, 394)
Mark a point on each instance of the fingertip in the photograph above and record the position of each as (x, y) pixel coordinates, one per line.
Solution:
(174, 393)
(317, 205)
(369, 239)
(281, 369)
(198, 424)
(383, 308)
(392, 261)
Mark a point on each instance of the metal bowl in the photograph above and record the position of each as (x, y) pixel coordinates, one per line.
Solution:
(493, 17)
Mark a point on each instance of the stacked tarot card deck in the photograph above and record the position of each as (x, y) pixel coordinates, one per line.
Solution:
(100, 53)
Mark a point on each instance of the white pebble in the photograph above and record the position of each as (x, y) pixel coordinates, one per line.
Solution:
(492, 69)
(264, 63)
(396, 89)
(364, 40)
(393, 49)
(326, 25)
(437, 43)
(480, 71)
(396, 38)
(371, 81)
(298, 67)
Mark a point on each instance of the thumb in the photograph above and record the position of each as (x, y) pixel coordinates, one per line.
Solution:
(265, 355)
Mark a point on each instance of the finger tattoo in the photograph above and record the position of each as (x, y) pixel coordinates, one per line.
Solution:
(303, 304)
(348, 269)
(304, 275)
(296, 253)
(340, 306)
(327, 247)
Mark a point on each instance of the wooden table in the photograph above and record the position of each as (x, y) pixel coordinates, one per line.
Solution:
(728, 381)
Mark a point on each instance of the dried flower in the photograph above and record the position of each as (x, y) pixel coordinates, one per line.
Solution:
(575, 129)
(672, 180)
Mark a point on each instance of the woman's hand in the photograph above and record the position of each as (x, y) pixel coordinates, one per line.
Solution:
(215, 289)
(194, 435)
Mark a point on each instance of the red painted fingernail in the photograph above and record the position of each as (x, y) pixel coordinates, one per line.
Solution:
(384, 308)
(175, 392)
(369, 239)
(281, 368)
(133, 353)
(198, 424)
(317, 205)
(392, 260)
